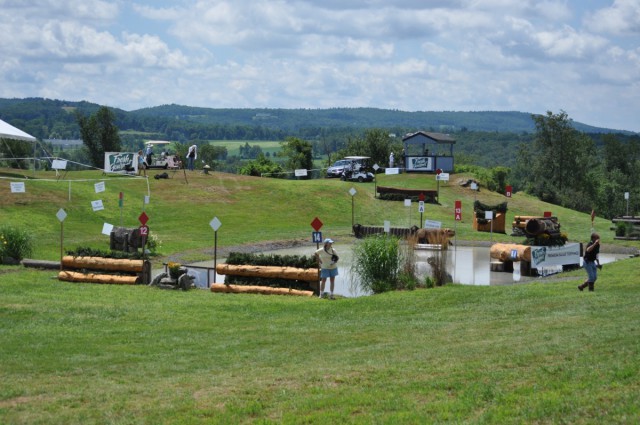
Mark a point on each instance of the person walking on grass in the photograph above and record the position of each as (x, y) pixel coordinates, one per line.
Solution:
(590, 265)
(328, 260)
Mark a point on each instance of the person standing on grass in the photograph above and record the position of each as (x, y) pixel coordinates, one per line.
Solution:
(328, 260)
(192, 155)
(590, 265)
(141, 164)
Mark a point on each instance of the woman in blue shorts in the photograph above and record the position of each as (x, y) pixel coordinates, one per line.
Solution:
(328, 260)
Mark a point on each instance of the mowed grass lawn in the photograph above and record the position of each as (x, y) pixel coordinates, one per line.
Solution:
(531, 353)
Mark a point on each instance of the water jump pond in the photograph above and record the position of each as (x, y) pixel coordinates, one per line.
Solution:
(467, 265)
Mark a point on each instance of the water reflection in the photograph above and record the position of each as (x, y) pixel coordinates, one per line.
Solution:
(467, 265)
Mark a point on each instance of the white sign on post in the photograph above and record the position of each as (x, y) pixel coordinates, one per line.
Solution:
(407, 202)
(442, 177)
(392, 171)
(97, 205)
(420, 206)
(17, 187)
(301, 172)
(387, 226)
(61, 215)
(215, 224)
(488, 215)
(99, 187)
(107, 229)
(58, 164)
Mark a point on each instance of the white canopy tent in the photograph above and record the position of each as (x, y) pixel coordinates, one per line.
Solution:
(7, 131)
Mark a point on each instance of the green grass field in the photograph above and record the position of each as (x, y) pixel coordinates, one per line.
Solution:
(251, 209)
(534, 353)
(76, 353)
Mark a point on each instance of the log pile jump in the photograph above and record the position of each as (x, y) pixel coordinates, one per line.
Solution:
(262, 290)
(290, 273)
(120, 271)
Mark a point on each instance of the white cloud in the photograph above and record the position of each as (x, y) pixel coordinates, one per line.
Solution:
(525, 55)
(622, 18)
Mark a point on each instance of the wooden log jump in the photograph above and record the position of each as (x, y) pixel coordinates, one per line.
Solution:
(263, 290)
(130, 271)
(290, 273)
(69, 276)
(502, 252)
(100, 263)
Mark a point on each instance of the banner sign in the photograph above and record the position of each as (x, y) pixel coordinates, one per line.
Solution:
(545, 256)
(120, 162)
(423, 163)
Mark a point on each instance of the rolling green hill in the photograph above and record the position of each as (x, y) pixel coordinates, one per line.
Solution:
(50, 119)
(251, 209)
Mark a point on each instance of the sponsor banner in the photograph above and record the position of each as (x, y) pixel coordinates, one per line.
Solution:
(422, 163)
(545, 256)
(120, 162)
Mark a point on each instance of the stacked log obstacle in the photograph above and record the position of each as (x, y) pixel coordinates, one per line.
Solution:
(360, 231)
(528, 225)
(394, 193)
(538, 226)
(263, 290)
(70, 276)
(121, 271)
(290, 273)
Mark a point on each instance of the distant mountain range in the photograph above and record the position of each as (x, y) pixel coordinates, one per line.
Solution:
(47, 119)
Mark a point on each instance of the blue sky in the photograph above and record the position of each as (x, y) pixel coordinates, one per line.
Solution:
(579, 56)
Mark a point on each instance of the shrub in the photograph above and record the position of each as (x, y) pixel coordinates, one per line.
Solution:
(376, 263)
(15, 243)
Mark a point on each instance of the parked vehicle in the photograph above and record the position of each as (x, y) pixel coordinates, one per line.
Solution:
(337, 168)
(357, 169)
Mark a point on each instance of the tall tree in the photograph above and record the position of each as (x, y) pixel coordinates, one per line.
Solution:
(298, 152)
(560, 165)
(99, 134)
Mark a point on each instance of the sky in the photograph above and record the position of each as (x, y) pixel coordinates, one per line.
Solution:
(577, 56)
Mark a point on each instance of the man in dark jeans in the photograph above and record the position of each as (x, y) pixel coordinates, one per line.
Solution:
(590, 257)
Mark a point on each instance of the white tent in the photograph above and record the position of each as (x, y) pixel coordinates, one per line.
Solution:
(7, 131)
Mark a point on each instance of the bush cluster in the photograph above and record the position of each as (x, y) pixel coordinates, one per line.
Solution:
(15, 243)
